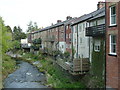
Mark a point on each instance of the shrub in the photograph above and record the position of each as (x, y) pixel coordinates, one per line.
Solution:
(67, 54)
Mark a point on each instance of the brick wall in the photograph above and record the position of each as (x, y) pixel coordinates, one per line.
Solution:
(119, 43)
(111, 61)
(68, 32)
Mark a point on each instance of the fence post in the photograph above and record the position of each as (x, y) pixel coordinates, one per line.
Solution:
(81, 63)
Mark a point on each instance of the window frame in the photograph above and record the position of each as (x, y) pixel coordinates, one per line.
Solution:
(111, 16)
(110, 47)
(97, 44)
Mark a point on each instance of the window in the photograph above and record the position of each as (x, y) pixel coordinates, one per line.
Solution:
(66, 35)
(112, 15)
(80, 40)
(113, 44)
(70, 35)
(80, 27)
(93, 23)
(76, 29)
(97, 45)
(83, 26)
(66, 27)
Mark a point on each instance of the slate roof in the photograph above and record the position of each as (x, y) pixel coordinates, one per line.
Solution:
(73, 21)
(95, 14)
(56, 25)
(82, 18)
(101, 14)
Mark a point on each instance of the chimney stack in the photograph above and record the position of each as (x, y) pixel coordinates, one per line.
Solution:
(100, 5)
(68, 18)
(58, 21)
(51, 24)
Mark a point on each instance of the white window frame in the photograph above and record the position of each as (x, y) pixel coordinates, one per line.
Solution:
(97, 44)
(111, 47)
(110, 15)
(96, 49)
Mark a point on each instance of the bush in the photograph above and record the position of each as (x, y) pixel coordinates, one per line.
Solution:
(67, 54)
(16, 44)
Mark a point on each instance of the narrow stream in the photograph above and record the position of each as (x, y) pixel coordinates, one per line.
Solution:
(26, 76)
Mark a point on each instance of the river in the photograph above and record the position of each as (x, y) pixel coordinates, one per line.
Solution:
(26, 76)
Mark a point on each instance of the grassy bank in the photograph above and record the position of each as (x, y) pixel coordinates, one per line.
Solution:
(8, 65)
(55, 77)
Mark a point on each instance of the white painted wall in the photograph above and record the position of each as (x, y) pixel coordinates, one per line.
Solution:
(83, 41)
(62, 46)
(24, 41)
(75, 39)
(91, 49)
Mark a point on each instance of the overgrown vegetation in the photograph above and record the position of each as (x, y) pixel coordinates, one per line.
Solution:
(8, 65)
(36, 44)
(98, 65)
(56, 78)
(6, 44)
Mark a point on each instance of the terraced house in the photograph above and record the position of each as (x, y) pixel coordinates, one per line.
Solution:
(113, 44)
(70, 35)
(92, 38)
(55, 37)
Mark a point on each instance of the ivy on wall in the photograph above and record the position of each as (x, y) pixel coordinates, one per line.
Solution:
(98, 60)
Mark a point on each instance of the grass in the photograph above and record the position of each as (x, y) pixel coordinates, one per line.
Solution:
(56, 78)
(8, 65)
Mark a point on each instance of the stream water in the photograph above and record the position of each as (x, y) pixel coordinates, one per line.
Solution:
(26, 76)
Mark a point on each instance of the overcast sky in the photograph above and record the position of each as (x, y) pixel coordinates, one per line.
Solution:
(44, 12)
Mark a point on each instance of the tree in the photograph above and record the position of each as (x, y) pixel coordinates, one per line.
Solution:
(35, 26)
(18, 34)
(5, 37)
(32, 27)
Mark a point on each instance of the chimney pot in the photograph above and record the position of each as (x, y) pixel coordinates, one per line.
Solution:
(100, 5)
(68, 18)
(58, 21)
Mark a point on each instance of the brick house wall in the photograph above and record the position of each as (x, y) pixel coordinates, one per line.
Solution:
(61, 38)
(61, 33)
(119, 43)
(112, 60)
(68, 39)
